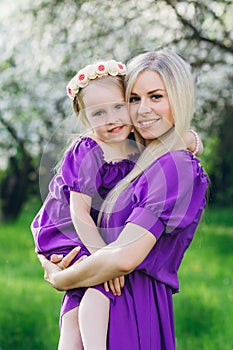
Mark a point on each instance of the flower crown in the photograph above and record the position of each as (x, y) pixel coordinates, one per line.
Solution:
(91, 72)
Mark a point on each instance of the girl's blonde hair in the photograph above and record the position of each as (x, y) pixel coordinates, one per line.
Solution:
(178, 81)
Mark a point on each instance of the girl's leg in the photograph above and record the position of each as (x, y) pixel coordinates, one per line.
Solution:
(70, 337)
(93, 319)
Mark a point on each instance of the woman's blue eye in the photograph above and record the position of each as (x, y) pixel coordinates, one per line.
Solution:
(134, 99)
(156, 96)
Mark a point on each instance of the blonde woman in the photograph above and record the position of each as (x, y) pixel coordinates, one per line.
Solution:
(149, 218)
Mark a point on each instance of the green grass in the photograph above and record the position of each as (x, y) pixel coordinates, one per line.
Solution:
(29, 308)
(204, 308)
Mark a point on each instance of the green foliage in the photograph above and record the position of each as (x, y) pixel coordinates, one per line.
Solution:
(203, 309)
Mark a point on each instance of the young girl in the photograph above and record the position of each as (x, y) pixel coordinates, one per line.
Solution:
(91, 167)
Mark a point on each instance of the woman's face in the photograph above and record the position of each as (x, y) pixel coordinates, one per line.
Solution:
(149, 106)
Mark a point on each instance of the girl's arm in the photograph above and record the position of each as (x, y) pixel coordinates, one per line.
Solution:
(116, 259)
(80, 206)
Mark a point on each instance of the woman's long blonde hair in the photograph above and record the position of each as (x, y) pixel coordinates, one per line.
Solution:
(178, 81)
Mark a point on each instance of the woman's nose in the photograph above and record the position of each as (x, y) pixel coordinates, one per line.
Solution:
(144, 107)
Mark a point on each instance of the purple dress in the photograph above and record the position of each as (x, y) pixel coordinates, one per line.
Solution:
(83, 170)
(167, 200)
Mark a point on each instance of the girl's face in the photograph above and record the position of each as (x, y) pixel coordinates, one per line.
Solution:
(107, 111)
(150, 109)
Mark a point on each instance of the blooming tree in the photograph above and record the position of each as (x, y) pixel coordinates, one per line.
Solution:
(43, 43)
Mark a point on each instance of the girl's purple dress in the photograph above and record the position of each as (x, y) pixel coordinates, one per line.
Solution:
(167, 200)
(83, 170)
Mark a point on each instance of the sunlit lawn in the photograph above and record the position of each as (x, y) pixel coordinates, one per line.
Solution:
(29, 308)
(204, 308)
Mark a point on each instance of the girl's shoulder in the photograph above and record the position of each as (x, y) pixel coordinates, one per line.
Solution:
(86, 144)
(85, 141)
(83, 149)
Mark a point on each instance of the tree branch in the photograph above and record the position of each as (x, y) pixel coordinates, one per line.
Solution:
(226, 44)
(13, 134)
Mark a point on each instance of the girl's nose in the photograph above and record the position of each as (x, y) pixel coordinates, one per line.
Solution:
(111, 118)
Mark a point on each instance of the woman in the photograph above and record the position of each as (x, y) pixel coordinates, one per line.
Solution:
(150, 218)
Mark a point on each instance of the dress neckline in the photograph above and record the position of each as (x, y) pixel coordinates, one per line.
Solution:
(131, 157)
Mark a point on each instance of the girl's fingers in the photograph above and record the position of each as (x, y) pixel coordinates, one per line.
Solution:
(56, 258)
(65, 262)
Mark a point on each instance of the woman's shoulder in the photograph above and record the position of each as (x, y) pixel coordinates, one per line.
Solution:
(178, 157)
(180, 162)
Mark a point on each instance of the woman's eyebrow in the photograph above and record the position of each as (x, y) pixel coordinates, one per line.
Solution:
(156, 90)
(149, 92)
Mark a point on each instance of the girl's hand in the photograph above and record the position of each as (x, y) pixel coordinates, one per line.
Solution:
(59, 264)
(115, 285)
(64, 262)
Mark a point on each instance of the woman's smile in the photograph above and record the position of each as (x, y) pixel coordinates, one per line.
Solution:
(147, 123)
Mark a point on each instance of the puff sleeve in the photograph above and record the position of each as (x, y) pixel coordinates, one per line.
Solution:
(169, 194)
(81, 165)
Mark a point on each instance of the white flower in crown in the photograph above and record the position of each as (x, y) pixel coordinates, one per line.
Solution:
(101, 69)
(72, 88)
(82, 79)
(90, 71)
(121, 68)
(112, 67)
(93, 71)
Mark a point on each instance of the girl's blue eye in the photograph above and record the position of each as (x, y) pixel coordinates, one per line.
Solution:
(134, 99)
(98, 114)
(118, 106)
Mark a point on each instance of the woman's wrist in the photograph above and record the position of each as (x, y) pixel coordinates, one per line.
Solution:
(197, 142)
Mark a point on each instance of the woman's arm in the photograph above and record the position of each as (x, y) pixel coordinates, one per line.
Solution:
(116, 259)
(80, 207)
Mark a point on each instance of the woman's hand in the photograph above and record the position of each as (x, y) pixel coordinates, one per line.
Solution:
(193, 142)
(115, 285)
(57, 264)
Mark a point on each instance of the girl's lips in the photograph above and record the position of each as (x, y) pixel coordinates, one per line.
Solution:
(116, 129)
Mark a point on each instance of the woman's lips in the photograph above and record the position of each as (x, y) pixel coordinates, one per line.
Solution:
(147, 123)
